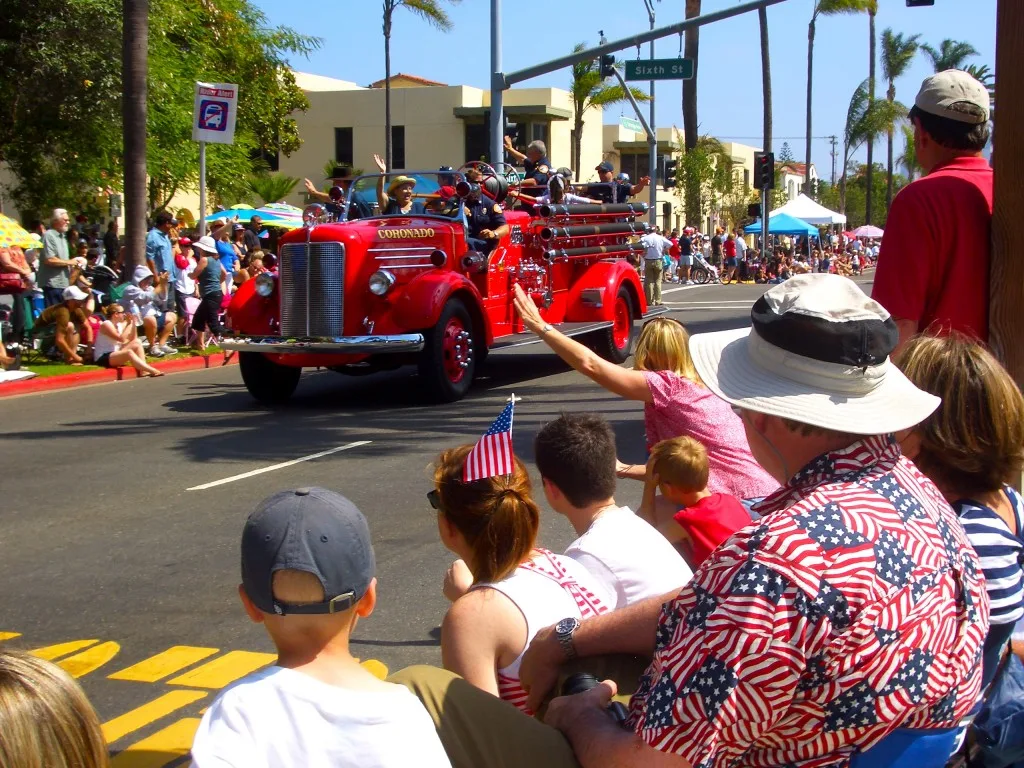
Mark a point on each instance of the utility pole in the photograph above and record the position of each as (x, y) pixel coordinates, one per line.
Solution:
(497, 88)
(653, 153)
(832, 141)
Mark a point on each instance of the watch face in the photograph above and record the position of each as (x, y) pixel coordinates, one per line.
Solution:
(565, 626)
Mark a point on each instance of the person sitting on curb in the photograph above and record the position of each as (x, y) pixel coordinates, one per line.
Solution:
(142, 297)
(575, 456)
(70, 324)
(117, 343)
(695, 520)
(853, 610)
(308, 578)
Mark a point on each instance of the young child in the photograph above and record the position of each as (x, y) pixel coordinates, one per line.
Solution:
(697, 521)
(307, 576)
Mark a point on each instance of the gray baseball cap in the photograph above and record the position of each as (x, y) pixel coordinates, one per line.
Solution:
(312, 530)
(954, 95)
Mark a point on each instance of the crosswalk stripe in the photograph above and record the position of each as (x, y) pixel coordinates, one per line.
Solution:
(9, 635)
(163, 747)
(174, 659)
(89, 660)
(52, 652)
(224, 670)
(148, 713)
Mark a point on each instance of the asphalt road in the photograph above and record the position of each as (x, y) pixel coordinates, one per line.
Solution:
(113, 528)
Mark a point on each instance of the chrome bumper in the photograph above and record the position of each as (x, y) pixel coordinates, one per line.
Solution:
(336, 345)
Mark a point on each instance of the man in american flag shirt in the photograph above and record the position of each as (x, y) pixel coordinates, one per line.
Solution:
(854, 607)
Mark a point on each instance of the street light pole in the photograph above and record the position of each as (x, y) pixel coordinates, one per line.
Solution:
(653, 153)
(497, 144)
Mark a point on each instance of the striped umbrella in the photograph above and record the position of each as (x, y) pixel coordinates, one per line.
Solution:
(12, 233)
(279, 211)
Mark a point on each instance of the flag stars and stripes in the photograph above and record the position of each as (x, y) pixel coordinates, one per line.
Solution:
(492, 455)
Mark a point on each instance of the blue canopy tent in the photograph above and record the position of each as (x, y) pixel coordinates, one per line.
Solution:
(784, 224)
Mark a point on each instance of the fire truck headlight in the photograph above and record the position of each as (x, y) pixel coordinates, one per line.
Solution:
(381, 282)
(265, 284)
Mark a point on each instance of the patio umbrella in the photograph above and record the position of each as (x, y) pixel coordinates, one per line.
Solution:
(868, 231)
(243, 214)
(279, 211)
(12, 233)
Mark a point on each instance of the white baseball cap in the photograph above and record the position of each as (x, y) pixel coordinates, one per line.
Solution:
(74, 292)
(954, 95)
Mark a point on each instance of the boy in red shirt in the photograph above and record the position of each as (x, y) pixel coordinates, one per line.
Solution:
(696, 521)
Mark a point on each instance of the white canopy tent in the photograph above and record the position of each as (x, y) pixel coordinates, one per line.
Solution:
(805, 209)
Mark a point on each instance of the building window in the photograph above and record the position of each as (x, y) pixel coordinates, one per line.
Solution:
(746, 178)
(343, 146)
(476, 142)
(539, 132)
(266, 156)
(398, 146)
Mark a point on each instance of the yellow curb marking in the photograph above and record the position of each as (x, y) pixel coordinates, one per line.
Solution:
(224, 670)
(90, 660)
(161, 748)
(148, 713)
(52, 652)
(9, 635)
(174, 659)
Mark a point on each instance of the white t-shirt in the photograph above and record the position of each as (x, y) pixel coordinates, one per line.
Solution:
(656, 246)
(280, 718)
(629, 557)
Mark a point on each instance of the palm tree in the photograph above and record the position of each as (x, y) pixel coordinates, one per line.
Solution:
(431, 12)
(865, 119)
(272, 187)
(909, 157)
(986, 77)
(951, 54)
(588, 90)
(821, 8)
(897, 53)
(872, 11)
(691, 47)
(135, 69)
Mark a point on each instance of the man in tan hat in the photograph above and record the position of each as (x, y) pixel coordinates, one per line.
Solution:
(852, 609)
(934, 260)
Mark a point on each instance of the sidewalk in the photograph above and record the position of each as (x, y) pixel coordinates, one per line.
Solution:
(89, 374)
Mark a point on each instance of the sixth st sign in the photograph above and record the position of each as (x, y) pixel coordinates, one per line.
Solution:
(659, 69)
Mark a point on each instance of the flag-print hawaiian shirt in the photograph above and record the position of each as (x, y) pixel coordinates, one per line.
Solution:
(854, 606)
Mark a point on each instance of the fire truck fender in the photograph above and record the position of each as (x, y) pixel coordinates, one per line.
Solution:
(421, 301)
(252, 314)
(592, 296)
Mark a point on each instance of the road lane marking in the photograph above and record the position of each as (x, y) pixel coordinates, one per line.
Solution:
(163, 664)
(148, 713)
(282, 465)
(52, 652)
(9, 635)
(89, 660)
(163, 747)
(232, 666)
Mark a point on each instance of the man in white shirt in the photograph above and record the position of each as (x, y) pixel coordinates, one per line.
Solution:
(654, 258)
(307, 576)
(576, 456)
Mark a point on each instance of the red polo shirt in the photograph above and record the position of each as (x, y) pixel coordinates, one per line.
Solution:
(934, 259)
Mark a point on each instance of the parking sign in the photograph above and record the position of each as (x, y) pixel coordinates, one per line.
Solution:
(213, 118)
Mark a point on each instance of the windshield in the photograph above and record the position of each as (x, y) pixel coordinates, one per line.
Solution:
(433, 194)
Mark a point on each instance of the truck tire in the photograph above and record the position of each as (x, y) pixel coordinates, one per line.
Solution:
(615, 344)
(268, 382)
(447, 363)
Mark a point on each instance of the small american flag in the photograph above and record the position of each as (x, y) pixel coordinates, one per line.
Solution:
(492, 455)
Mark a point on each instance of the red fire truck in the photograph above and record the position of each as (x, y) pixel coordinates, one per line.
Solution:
(358, 291)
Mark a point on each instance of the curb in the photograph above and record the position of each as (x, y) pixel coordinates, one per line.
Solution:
(110, 375)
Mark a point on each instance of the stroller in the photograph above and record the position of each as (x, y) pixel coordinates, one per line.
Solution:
(702, 272)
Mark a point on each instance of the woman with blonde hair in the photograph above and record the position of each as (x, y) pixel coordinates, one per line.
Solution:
(503, 588)
(972, 448)
(45, 719)
(676, 402)
(117, 342)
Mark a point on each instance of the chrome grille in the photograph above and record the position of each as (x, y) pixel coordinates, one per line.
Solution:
(323, 313)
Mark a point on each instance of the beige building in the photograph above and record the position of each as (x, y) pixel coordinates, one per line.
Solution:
(433, 124)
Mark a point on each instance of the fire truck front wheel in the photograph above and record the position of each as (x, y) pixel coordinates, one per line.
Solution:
(268, 382)
(616, 342)
(448, 360)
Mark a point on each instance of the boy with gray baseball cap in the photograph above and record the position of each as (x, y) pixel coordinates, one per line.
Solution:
(308, 577)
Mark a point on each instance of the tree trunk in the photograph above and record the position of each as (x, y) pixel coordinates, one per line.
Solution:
(888, 159)
(387, 86)
(134, 66)
(869, 177)
(691, 49)
(842, 179)
(577, 149)
(766, 91)
(810, 77)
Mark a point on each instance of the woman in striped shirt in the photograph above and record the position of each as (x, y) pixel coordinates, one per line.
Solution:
(972, 447)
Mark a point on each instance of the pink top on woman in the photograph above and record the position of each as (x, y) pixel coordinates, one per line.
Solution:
(682, 407)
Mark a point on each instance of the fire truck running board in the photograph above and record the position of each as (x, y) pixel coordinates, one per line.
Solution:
(568, 329)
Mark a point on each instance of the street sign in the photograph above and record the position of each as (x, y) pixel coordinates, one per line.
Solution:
(213, 118)
(659, 69)
(631, 125)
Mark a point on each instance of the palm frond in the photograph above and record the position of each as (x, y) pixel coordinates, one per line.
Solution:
(951, 54)
(908, 160)
(837, 7)
(897, 53)
(431, 12)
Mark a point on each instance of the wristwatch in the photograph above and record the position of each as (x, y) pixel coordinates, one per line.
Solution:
(564, 631)
(545, 328)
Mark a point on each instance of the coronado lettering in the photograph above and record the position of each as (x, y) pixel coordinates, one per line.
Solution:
(405, 234)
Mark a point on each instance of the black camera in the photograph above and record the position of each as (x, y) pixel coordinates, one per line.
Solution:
(581, 682)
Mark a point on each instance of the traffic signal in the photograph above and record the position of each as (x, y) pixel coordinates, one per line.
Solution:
(671, 169)
(607, 65)
(919, 3)
(764, 170)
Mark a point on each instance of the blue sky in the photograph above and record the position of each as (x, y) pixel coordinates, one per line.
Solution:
(729, 90)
